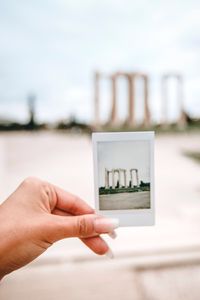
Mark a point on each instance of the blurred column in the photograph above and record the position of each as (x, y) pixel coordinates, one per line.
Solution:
(146, 102)
(164, 99)
(113, 117)
(131, 108)
(182, 122)
(96, 98)
(31, 106)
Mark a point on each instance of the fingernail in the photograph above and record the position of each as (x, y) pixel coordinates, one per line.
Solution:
(105, 225)
(113, 234)
(109, 254)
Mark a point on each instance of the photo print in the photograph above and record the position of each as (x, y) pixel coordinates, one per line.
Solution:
(124, 173)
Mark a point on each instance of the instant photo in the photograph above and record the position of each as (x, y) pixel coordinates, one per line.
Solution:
(124, 183)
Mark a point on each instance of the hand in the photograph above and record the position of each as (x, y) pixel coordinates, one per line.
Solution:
(38, 214)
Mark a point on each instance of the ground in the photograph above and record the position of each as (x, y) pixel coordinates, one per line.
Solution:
(151, 263)
(136, 200)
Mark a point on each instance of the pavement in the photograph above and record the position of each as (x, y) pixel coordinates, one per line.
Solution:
(136, 200)
(159, 262)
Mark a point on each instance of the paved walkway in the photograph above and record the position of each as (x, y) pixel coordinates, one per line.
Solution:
(136, 200)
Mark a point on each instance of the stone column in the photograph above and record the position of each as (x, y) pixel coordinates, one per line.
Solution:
(182, 119)
(125, 181)
(131, 176)
(113, 117)
(146, 102)
(113, 179)
(131, 113)
(137, 178)
(120, 182)
(96, 98)
(164, 97)
(106, 179)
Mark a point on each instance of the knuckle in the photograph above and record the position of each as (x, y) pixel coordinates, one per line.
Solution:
(45, 189)
(29, 181)
(42, 189)
(35, 184)
(85, 227)
(82, 226)
(42, 186)
(48, 194)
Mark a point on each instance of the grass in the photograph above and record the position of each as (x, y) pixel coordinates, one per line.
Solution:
(194, 155)
(123, 190)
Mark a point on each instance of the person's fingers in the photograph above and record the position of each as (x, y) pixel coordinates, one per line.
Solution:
(96, 244)
(71, 203)
(80, 226)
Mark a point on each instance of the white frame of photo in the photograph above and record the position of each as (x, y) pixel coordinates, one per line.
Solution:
(130, 217)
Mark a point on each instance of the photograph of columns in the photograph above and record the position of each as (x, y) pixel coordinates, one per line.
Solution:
(124, 174)
(119, 172)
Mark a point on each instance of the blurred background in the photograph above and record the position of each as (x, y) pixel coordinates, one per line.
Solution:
(69, 68)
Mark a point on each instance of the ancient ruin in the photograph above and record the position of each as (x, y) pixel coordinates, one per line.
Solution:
(131, 80)
(121, 178)
(165, 98)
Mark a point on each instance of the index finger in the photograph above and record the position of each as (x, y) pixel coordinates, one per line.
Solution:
(71, 203)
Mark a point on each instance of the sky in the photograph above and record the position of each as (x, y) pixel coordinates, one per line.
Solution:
(124, 155)
(51, 48)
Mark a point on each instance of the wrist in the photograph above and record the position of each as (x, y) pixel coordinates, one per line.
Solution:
(7, 244)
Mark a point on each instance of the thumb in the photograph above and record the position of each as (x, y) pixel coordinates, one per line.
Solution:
(82, 226)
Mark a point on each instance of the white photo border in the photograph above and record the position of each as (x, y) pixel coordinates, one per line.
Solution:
(127, 217)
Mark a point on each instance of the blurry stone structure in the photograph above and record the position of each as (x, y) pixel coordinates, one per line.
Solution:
(131, 80)
(96, 98)
(120, 173)
(165, 101)
(31, 106)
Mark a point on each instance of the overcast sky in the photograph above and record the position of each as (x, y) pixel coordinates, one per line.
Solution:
(52, 47)
(124, 155)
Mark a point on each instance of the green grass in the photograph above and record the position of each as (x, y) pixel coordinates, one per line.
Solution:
(194, 155)
(123, 190)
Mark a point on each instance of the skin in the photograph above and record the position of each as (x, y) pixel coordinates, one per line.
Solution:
(37, 215)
